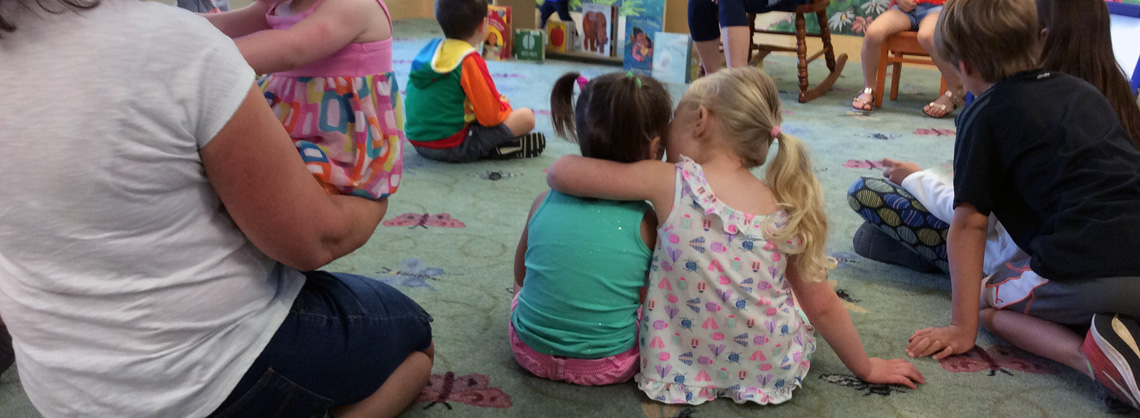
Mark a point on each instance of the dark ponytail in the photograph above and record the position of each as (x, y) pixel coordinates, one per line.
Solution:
(617, 115)
(562, 106)
(67, 6)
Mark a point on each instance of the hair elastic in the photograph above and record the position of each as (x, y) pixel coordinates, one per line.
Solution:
(582, 81)
(634, 77)
(776, 131)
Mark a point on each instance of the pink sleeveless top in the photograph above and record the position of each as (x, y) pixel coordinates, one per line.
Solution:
(354, 60)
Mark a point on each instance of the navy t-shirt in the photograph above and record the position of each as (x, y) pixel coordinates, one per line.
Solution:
(1046, 154)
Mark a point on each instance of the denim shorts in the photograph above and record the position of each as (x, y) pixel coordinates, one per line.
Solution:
(920, 12)
(342, 339)
(482, 142)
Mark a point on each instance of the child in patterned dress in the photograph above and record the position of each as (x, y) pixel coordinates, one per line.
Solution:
(584, 261)
(330, 81)
(720, 319)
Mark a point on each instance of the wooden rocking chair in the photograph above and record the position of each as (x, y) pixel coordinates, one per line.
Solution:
(834, 64)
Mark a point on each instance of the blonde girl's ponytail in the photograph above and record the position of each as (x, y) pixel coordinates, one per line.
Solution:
(792, 181)
(746, 103)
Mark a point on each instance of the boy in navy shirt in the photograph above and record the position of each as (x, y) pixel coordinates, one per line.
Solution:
(1046, 154)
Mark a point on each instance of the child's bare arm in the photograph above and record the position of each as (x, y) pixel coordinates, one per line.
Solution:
(590, 177)
(967, 246)
(649, 225)
(828, 315)
(520, 252)
(332, 26)
(242, 22)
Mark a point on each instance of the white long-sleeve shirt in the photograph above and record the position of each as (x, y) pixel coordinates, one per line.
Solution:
(937, 194)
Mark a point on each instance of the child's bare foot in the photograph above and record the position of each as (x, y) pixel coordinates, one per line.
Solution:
(864, 101)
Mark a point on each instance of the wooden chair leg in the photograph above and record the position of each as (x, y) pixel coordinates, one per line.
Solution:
(825, 36)
(896, 73)
(801, 51)
(751, 36)
(881, 78)
(942, 89)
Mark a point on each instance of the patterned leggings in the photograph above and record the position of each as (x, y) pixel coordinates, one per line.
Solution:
(902, 217)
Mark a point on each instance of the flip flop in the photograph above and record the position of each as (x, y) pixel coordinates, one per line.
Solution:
(864, 105)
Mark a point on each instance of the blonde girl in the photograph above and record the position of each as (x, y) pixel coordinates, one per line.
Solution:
(720, 316)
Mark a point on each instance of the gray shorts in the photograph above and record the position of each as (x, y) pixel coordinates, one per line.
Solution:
(1015, 287)
(482, 142)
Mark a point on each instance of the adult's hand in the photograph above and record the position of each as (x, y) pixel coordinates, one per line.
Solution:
(897, 171)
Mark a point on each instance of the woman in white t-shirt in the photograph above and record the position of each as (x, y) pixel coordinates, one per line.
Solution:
(154, 217)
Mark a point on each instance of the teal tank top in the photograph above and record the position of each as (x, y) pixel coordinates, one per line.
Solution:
(585, 267)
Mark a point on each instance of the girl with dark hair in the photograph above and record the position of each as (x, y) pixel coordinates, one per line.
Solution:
(1077, 41)
(149, 265)
(584, 261)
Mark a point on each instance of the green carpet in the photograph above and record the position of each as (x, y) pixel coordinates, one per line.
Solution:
(462, 275)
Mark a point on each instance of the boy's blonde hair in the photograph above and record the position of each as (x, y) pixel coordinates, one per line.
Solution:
(747, 104)
(997, 38)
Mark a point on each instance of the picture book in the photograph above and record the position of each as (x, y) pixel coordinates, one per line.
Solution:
(529, 44)
(560, 36)
(671, 56)
(599, 22)
(498, 44)
(640, 32)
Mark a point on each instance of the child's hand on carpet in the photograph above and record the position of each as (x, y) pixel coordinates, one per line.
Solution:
(897, 171)
(896, 371)
(940, 342)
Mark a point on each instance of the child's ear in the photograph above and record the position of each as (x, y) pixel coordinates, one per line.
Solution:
(656, 148)
(701, 126)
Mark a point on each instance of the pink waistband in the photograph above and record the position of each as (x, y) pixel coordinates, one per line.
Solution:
(354, 60)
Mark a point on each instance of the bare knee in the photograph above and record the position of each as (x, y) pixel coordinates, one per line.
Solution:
(926, 40)
(875, 35)
(522, 121)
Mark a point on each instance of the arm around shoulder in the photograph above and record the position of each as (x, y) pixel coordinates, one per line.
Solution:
(269, 193)
(591, 177)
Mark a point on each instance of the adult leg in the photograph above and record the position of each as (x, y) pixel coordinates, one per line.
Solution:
(704, 28)
(902, 219)
(349, 343)
(401, 388)
(734, 32)
(736, 43)
(955, 92)
(889, 23)
(545, 11)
